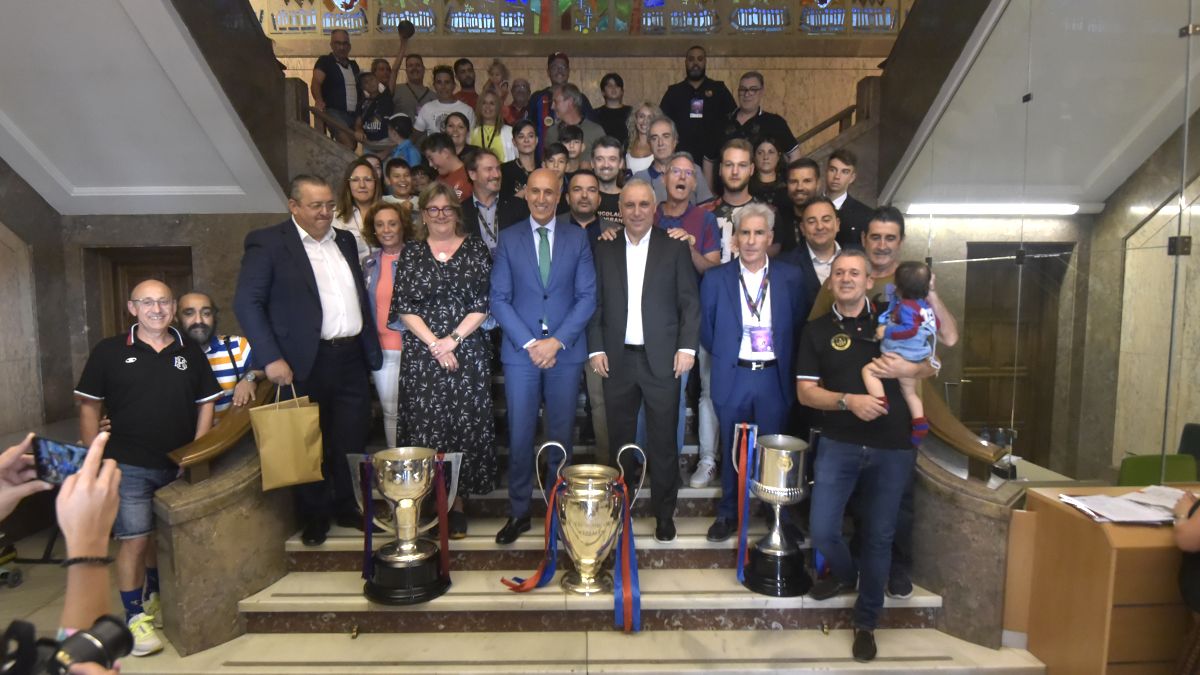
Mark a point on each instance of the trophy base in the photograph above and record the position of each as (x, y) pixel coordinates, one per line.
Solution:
(780, 576)
(572, 582)
(393, 584)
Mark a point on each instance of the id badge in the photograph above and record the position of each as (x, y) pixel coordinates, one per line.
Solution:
(760, 340)
(697, 109)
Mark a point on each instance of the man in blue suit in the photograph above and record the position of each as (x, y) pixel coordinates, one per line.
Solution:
(302, 303)
(543, 295)
(752, 311)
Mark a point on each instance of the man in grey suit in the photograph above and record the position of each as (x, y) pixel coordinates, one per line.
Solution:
(643, 337)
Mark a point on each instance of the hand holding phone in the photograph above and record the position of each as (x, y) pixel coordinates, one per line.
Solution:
(18, 477)
(56, 460)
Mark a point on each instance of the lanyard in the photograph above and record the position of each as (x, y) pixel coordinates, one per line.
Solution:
(490, 228)
(755, 305)
(237, 374)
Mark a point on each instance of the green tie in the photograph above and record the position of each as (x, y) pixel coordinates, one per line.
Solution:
(544, 255)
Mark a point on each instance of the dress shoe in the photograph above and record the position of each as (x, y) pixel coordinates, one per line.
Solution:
(355, 521)
(458, 524)
(721, 529)
(664, 531)
(314, 531)
(828, 588)
(864, 645)
(512, 529)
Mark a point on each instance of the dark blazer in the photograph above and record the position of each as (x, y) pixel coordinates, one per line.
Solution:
(670, 302)
(509, 210)
(721, 322)
(798, 257)
(277, 302)
(519, 301)
(854, 216)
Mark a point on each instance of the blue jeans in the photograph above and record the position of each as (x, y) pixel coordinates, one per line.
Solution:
(881, 477)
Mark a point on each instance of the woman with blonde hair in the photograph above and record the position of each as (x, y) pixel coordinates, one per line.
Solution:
(490, 131)
(638, 156)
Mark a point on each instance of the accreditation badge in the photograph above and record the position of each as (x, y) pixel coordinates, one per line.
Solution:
(549, 121)
(840, 342)
(760, 339)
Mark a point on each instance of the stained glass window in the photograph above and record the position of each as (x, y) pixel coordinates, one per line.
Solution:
(347, 15)
(585, 16)
(759, 16)
(823, 17)
(419, 12)
(695, 17)
(294, 19)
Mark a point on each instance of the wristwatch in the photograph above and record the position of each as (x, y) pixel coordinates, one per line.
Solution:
(456, 337)
(251, 377)
(842, 403)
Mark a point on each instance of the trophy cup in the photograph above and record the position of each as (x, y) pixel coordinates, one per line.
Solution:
(405, 572)
(589, 505)
(776, 565)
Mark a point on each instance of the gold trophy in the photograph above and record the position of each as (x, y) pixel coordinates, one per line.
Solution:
(589, 505)
(405, 571)
(776, 565)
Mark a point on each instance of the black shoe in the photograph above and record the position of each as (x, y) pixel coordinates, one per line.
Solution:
(829, 588)
(458, 525)
(721, 529)
(314, 532)
(512, 529)
(899, 587)
(354, 520)
(664, 532)
(864, 645)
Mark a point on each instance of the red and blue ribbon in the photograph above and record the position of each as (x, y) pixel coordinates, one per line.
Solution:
(545, 570)
(748, 435)
(365, 474)
(627, 591)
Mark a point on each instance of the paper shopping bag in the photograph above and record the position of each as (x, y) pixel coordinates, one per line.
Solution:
(288, 436)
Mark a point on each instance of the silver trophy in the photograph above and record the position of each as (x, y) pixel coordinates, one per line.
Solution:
(776, 565)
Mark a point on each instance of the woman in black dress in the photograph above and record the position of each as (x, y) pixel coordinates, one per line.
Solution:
(441, 296)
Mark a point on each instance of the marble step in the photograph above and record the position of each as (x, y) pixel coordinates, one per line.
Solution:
(342, 551)
(675, 599)
(724, 652)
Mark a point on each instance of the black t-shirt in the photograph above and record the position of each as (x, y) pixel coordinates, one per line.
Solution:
(374, 113)
(698, 113)
(513, 177)
(151, 396)
(834, 350)
(787, 229)
(610, 208)
(613, 120)
(762, 125)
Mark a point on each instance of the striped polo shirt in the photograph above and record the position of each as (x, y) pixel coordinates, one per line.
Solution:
(227, 371)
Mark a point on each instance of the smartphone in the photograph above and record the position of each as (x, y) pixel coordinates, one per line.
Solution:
(56, 460)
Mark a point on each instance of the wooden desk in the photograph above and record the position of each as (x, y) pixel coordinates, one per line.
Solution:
(1105, 597)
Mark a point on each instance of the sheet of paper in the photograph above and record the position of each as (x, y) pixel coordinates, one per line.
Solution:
(1156, 495)
(1117, 510)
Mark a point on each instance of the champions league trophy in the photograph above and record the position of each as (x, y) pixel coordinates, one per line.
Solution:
(406, 571)
(776, 564)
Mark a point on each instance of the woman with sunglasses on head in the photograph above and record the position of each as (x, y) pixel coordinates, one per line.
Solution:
(441, 298)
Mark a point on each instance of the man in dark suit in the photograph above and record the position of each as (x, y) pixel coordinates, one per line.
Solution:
(819, 225)
(302, 303)
(840, 172)
(487, 211)
(752, 313)
(543, 294)
(643, 338)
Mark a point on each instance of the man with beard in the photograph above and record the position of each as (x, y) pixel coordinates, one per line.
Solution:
(464, 72)
(698, 106)
(487, 211)
(803, 181)
(228, 355)
(736, 169)
(608, 161)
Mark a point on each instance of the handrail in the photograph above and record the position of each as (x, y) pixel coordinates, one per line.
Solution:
(196, 457)
(944, 425)
(840, 118)
(325, 120)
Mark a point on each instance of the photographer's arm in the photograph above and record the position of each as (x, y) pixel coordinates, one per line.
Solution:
(87, 507)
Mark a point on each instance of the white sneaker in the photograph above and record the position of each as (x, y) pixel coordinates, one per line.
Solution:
(145, 640)
(706, 472)
(153, 608)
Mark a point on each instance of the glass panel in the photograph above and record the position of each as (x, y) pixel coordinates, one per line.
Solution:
(760, 16)
(696, 17)
(348, 15)
(875, 17)
(471, 17)
(288, 20)
(419, 12)
(823, 17)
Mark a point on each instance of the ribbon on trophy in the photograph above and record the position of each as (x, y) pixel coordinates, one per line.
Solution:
(627, 591)
(748, 440)
(366, 477)
(545, 570)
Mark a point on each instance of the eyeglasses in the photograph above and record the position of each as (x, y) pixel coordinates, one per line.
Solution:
(434, 211)
(151, 303)
(749, 90)
(682, 173)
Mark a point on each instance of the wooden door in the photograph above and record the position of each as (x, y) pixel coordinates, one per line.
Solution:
(123, 268)
(1002, 352)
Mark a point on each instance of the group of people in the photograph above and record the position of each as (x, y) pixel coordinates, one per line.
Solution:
(696, 244)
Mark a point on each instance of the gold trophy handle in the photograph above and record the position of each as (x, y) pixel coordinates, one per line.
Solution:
(621, 468)
(537, 465)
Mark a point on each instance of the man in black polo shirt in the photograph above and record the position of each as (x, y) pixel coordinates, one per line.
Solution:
(752, 123)
(698, 106)
(160, 392)
(863, 445)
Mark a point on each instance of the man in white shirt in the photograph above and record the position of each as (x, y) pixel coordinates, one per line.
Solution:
(642, 338)
(431, 118)
(840, 173)
(814, 256)
(302, 302)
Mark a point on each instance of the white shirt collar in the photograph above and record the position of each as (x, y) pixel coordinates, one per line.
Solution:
(838, 201)
(305, 235)
(642, 242)
(744, 270)
(837, 248)
(549, 226)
